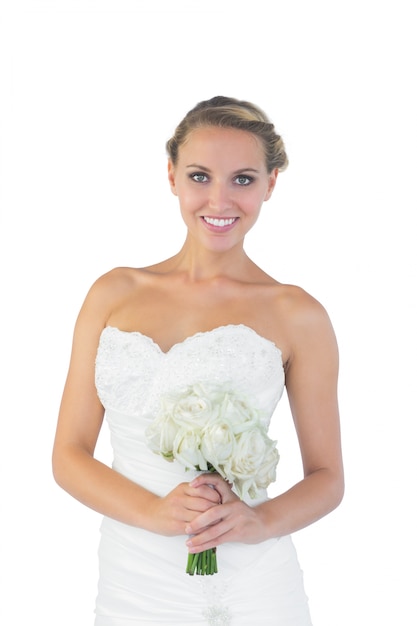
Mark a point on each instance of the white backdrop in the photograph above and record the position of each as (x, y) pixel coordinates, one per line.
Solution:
(90, 93)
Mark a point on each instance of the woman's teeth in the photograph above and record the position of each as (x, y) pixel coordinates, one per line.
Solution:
(214, 221)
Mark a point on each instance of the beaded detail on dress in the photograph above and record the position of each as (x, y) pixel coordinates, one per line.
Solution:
(216, 613)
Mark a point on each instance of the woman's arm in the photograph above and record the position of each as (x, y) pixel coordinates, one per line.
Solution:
(311, 380)
(80, 418)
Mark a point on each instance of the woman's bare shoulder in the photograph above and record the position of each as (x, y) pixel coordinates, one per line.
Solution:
(121, 280)
(111, 288)
(299, 317)
(294, 300)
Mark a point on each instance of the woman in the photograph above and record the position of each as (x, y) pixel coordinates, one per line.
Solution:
(207, 316)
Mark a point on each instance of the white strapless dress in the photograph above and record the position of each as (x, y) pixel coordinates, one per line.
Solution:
(142, 578)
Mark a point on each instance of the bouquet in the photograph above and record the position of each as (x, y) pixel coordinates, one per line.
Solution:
(210, 428)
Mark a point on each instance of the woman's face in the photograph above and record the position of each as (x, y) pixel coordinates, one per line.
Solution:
(221, 181)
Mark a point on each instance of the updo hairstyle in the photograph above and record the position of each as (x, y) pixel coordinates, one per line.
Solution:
(225, 112)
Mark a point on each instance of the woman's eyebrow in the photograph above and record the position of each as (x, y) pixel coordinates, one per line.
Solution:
(239, 171)
(200, 167)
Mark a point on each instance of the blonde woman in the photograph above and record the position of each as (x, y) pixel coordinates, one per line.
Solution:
(207, 318)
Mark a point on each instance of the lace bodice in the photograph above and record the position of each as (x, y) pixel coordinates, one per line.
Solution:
(133, 374)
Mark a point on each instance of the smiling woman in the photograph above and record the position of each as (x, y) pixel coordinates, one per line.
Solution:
(196, 351)
(221, 180)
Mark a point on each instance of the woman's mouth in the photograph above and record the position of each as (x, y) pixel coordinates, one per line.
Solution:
(219, 222)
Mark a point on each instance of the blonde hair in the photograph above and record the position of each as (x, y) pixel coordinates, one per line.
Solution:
(231, 113)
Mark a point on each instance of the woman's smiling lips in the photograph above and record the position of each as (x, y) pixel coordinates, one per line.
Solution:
(219, 224)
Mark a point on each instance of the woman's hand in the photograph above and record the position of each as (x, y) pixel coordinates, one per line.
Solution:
(229, 520)
(180, 507)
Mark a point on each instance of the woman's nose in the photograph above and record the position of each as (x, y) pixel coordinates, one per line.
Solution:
(220, 197)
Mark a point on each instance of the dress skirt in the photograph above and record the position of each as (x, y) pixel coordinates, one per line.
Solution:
(143, 583)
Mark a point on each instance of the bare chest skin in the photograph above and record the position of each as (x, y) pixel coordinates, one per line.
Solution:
(169, 308)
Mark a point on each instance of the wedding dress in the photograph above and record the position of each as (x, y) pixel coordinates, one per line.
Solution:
(142, 579)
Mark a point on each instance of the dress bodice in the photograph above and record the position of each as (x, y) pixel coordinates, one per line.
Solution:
(133, 374)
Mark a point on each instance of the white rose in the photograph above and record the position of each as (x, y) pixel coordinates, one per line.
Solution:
(266, 473)
(160, 435)
(193, 407)
(254, 463)
(217, 445)
(253, 447)
(238, 413)
(187, 451)
(249, 452)
(245, 487)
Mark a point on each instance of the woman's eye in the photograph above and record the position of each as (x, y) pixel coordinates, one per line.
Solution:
(243, 180)
(199, 177)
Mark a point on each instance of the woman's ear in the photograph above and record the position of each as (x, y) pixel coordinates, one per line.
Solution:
(271, 183)
(171, 177)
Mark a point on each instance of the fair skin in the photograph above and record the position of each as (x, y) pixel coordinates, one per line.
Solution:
(221, 182)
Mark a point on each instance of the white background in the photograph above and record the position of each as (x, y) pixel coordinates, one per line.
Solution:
(90, 93)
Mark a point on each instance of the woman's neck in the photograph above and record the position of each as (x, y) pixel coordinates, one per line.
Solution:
(201, 264)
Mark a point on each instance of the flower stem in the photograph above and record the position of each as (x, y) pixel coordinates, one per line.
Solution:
(204, 563)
